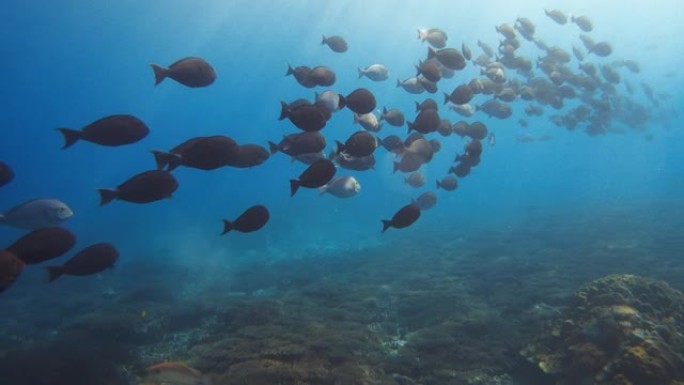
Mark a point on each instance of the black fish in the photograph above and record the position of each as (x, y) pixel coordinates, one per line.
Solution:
(42, 245)
(190, 71)
(448, 183)
(252, 219)
(114, 130)
(299, 143)
(359, 144)
(426, 122)
(301, 74)
(6, 174)
(360, 101)
(203, 153)
(336, 43)
(91, 260)
(403, 218)
(316, 175)
(146, 187)
(10, 269)
(249, 155)
(460, 95)
(306, 117)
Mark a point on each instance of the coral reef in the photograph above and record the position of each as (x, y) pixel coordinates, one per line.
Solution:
(620, 329)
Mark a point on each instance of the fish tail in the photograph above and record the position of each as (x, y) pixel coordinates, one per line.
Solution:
(395, 167)
(386, 225)
(324, 41)
(446, 98)
(161, 158)
(439, 185)
(410, 127)
(284, 110)
(107, 195)
(227, 226)
(322, 190)
(160, 73)
(340, 147)
(273, 147)
(431, 53)
(290, 70)
(54, 272)
(360, 71)
(294, 186)
(398, 83)
(342, 103)
(70, 136)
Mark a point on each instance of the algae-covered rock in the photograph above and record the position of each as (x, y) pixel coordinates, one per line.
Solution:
(620, 329)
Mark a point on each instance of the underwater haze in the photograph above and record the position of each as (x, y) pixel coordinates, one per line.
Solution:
(322, 294)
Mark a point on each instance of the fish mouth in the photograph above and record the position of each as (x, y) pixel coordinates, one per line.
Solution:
(65, 214)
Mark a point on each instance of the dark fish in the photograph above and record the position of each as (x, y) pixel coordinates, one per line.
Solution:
(448, 57)
(356, 163)
(393, 116)
(460, 128)
(477, 130)
(336, 43)
(436, 145)
(403, 218)
(426, 200)
(557, 15)
(252, 219)
(428, 85)
(146, 187)
(409, 162)
(496, 109)
(203, 153)
(461, 170)
(426, 122)
(465, 50)
(322, 76)
(474, 148)
(445, 128)
(587, 41)
(191, 71)
(299, 143)
(42, 245)
(460, 95)
(6, 174)
(36, 213)
(448, 183)
(427, 104)
(309, 158)
(91, 260)
(249, 155)
(10, 269)
(316, 175)
(285, 108)
(114, 130)
(412, 137)
(306, 117)
(601, 49)
(392, 143)
(506, 30)
(583, 22)
(430, 70)
(360, 101)
(301, 74)
(420, 147)
(359, 144)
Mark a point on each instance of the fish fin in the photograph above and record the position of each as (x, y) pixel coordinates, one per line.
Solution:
(273, 147)
(290, 70)
(70, 136)
(360, 73)
(163, 159)
(398, 83)
(107, 195)
(323, 189)
(386, 225)
(395, 167)
(446, 98)
(418, 68)
(227, 226)
(284, 110)
(340, 147)
(54, 272)
(439, 185)
(356, 118)
(410, 127)
(324, 41)
(160, 73)
(431, 53)
(342, 103)
(294, 186)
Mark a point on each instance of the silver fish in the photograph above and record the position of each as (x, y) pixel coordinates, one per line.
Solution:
(342, 187)
(36, 214)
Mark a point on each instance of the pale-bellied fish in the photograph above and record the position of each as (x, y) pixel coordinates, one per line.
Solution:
(375, 72)
(36, 214)
(341, 187)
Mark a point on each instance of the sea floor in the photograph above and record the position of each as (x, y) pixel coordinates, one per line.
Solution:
(437, 307)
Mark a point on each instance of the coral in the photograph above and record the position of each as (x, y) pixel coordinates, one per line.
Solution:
(619, 330)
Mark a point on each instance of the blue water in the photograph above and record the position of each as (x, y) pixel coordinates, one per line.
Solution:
(68, 63)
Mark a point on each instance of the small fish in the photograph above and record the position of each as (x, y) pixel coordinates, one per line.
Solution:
(91, 260)
(175, 373)
(316, 175)
(336, 43)
(10, 269)
(146, 187)
(250, 220)
(191, 71)
(360, 101)
(6, 174)
(403, 218)
(112, 131)
(426, 200)
(36, 214)
(375, 72)
(341, 187)
(42, 245)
